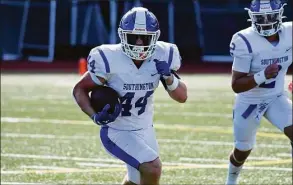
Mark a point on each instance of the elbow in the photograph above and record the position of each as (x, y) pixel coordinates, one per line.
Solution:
(235, 88)
(75, 90)
(182, 99)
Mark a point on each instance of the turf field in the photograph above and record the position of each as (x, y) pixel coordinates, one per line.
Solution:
(45, 138)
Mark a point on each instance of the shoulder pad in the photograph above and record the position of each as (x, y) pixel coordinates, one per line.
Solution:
(171, 54)
(98, 63)
(240, 44)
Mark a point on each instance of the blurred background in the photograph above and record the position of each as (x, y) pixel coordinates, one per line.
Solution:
(61, 32)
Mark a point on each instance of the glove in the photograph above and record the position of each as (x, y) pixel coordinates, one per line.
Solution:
(163, 68)
(103, 117)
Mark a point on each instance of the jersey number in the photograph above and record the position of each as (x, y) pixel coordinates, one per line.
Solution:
(92, 66)
(141, 102)
(232, 48)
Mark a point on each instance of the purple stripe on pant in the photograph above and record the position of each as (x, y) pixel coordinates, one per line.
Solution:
(116, 150)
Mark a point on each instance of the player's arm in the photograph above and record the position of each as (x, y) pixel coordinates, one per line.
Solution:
(242, 80)
(95, 76)
(176, 89)
(81, 92)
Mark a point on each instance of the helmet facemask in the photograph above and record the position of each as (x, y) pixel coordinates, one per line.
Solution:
(138, 52)
(266, 23)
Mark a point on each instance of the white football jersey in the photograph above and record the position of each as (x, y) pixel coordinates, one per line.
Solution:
(253, 53)
(135, 86)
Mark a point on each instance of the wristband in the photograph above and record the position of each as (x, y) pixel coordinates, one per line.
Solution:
(260, 77)
(174, 84)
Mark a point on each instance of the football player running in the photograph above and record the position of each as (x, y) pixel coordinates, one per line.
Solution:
(262, 54)
(134, 69)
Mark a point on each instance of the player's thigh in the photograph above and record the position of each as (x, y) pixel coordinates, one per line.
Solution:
(149, 136)
(245, 126)
(130, 147)
(127, 146)
(279, 112)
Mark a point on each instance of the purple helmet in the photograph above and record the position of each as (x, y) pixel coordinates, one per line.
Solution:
(266, 16)
(139, 22)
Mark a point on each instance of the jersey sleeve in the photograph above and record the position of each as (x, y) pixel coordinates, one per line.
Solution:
(96, 66)
(174, 58)
(240, 50)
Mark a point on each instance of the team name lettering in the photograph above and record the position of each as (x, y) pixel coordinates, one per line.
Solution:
(138, 87)
(274, 60)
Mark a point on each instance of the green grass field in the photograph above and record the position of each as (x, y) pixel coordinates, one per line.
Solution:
(45, 138)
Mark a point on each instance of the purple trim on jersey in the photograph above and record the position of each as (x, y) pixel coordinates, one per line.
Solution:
(152, 24)
(246, 42)
(255, 6)
(116, 150)
(249, 110)
(170, 59)
(88, 58)
(105, 60)
(268, 85)
(128, 21)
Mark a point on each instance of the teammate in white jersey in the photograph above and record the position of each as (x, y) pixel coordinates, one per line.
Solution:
(134, 69)
(262, 54)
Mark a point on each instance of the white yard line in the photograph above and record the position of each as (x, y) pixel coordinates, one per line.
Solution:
(113, 163)
(11, 120)
(46, 167)
(167, 166)
(187, 159)
(169, 113)
(174, 165)
(20, 183)
(45, 136)
(38, 120)
(101, 165)
(215, 143)
(195, 114)
(174, 141)
(51, 157)
(264, 158)
(284, 154)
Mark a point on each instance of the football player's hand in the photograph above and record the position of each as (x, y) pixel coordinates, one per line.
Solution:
(163, 68)
(103, 117)
(272, 70)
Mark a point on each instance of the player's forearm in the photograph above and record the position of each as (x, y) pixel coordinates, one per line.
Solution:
(82, 99)
(243, 84)
(180, 93)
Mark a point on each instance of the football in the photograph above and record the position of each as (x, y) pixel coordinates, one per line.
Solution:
(102, 96)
